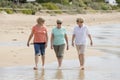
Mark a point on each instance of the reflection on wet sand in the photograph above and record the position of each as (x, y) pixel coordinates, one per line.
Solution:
(81, 75)
(39, 76)
(59, 74)
(110, 70)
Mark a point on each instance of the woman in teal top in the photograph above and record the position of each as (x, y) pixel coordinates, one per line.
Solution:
(58, 40)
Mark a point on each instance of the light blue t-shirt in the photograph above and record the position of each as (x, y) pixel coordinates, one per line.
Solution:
(59, 35)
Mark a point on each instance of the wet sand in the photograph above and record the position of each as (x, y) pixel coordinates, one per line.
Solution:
(97, 68)
(17, 60)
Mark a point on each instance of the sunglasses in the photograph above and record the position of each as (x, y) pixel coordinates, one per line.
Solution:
(79, 21)
(59, 23)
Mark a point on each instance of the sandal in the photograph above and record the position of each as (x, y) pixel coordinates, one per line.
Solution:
(35, 68)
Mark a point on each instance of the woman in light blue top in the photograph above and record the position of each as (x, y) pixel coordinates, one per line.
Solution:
(58, 40)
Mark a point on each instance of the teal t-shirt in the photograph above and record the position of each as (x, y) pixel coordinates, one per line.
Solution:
(59, 35)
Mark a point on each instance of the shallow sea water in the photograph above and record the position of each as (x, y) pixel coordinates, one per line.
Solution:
(97, 68)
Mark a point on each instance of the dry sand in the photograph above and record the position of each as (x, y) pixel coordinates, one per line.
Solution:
(15, 29)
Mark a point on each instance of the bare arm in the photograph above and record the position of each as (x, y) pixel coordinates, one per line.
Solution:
(73, 37)
(51, 40)
(91, 43)
(46, 39)
(66, 38)
(30, 37)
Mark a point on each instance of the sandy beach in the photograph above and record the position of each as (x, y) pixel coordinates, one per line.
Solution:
(15, 29)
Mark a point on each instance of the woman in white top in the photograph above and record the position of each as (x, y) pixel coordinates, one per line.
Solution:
(80, 34)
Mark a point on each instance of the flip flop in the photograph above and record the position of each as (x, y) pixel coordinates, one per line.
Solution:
(35, 68)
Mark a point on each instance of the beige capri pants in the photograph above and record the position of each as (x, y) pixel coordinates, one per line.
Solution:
(81, 49)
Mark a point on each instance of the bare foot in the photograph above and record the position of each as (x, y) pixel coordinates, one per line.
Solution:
(59, 68)
(82, 67)
(35, 68)
(43, 67)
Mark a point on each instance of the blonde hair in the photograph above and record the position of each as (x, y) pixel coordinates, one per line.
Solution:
(80, 20)
(40, 20)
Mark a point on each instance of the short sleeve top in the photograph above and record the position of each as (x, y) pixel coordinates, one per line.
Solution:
(59, 35)
(39, 34)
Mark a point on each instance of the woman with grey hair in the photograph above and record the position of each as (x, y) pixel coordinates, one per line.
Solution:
(58, 40)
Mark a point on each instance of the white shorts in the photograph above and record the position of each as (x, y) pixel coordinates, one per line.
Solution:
(80, 49)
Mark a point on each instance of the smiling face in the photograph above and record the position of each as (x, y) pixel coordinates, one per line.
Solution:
(79, 23)
(59, 22)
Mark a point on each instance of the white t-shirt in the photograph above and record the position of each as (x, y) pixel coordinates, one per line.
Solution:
(81, 34)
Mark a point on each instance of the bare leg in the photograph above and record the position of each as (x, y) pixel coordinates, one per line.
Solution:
(36, 61)
(43, 60)
(59, 62)
(81, 60)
